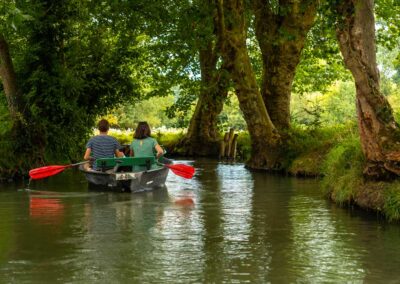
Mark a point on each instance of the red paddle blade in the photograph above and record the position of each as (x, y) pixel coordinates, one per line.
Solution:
(46, 171)
(182, 170)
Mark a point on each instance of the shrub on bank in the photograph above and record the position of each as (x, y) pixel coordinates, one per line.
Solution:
(306, 149)
(342, 170)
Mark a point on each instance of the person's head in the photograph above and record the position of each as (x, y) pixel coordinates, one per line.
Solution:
(142, 130)
(103, 125)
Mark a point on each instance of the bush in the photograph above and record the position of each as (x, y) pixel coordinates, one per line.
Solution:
(342, 170)
(124, 137)
(243, 146)
(305, 148)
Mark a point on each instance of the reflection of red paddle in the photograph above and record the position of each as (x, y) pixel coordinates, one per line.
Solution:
(181, 170)
(187, 201)
(49, 171)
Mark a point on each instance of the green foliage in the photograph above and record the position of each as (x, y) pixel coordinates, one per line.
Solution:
(388, 22)
(151, 110)
(123, 137)
(342, 170)
(333, 107)
(231, 115)
(169, 139)
(321, 63)
(391, 207)
(243, 146)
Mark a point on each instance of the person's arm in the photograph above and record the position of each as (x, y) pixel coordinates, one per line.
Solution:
(159, 150)
(87, 154)
(119, 154)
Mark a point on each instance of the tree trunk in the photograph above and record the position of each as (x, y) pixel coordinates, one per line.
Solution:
(264, 137)
(281, 35)
(202, 138)
(27, 149)
(379, 132)
(8, 77)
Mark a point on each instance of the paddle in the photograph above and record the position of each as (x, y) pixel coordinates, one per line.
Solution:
(181, 170)
(48, 171)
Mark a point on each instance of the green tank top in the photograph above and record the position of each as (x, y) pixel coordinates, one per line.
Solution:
(144, 147)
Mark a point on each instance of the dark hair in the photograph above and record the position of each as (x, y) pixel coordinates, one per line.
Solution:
(142, 130)
(103, 125)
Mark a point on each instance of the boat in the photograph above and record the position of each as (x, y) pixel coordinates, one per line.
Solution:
(132, 174)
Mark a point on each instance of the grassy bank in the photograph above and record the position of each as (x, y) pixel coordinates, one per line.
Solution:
(334, 154)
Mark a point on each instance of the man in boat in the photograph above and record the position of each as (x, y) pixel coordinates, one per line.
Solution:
(102, 145)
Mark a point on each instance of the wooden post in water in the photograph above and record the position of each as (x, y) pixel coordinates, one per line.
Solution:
(223, 145)
(232, 154)
(230, 138)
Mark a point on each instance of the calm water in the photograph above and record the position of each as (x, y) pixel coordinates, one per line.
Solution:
(241, 227)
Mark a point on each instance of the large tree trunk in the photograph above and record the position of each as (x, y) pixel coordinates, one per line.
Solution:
(27, 150)
(264, 137)
(281, 32)
(8, 77)
(379, 132)
(202, 137)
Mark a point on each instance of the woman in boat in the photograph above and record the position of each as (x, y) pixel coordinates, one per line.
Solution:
(143, 145)
(102, 145)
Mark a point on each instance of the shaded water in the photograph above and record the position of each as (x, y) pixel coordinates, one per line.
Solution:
(226, 225)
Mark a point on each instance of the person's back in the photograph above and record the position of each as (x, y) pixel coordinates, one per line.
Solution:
(144, 147)
(102, 145)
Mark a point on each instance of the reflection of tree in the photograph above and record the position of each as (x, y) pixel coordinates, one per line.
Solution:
(122, 235)
(42, 228)
(319, 248)
(270, 236)
(212, 220)
(7, 226)
(368, 241)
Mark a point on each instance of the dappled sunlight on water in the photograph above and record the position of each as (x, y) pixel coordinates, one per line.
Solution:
(227, 224)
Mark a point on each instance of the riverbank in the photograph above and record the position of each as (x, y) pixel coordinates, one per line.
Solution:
(332, 155)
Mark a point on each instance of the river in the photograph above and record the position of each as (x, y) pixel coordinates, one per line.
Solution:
(226, 225)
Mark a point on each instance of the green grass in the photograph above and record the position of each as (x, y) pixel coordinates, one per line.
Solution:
(391, 207)
(342, 170)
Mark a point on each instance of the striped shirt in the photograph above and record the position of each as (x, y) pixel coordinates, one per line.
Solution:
(102, 146)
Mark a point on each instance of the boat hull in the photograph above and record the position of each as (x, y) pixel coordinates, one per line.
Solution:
(126, 181)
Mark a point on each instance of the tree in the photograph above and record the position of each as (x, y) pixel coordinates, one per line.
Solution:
(9, 80)
(379, 132)
(232, 32)
(281, 30)
(202, 137)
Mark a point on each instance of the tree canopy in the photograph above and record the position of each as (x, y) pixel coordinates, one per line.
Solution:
(180, 61)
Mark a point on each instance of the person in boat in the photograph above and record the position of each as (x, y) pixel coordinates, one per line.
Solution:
(143, 145)
(102, 145)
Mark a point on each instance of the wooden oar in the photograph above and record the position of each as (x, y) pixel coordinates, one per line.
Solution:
(48, 171)
(181, 170)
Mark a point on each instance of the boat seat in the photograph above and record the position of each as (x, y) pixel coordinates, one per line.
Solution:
(126, 163)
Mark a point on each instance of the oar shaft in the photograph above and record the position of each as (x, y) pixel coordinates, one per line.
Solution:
(77, 164)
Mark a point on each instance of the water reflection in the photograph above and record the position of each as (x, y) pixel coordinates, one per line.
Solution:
(271, 228)
(320, 245)
(226, 225)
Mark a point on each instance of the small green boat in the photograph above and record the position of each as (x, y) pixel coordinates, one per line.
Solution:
(126, 174)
